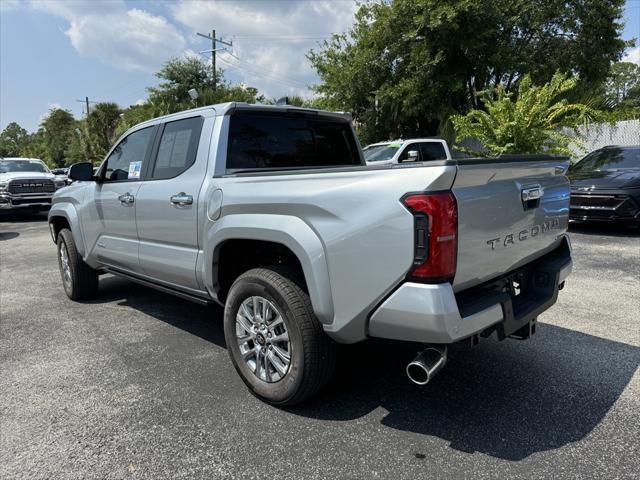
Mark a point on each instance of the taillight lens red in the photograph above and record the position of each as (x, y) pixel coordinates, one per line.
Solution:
(436, 236)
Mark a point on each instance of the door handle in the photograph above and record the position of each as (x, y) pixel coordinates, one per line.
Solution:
(181, 199)
(126, 199)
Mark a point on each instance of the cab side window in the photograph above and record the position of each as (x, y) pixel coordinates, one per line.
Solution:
(426, 151)
(178, 148)
(432, 151)
(126, 160)
(404, 156)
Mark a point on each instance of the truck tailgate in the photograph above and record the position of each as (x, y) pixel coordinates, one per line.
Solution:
(501, 223)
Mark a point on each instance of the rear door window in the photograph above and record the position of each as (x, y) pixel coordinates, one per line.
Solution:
(281, 141)
(178, 148)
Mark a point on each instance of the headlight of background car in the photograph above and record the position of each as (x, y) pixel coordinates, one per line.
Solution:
(59, 183)
(3, 186)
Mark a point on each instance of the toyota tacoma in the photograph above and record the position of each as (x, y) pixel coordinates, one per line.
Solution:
(272, 212)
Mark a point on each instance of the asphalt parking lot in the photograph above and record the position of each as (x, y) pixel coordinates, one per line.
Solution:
(137, 384)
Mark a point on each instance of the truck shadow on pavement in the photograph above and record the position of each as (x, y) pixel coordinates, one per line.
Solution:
(506, 399)
(8, 235)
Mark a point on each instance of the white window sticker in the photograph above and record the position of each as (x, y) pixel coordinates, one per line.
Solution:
(134, 169)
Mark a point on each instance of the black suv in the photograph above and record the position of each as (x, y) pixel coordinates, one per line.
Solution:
(605, 186)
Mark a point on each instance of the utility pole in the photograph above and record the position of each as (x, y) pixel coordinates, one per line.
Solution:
(213, 58)
(213, 50)
(86, 102)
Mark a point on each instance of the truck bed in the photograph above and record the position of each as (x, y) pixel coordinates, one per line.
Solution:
(367, 234)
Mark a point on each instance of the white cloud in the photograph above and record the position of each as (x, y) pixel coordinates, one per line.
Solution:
(6, 5)
(270, 39)
(632, 56)
(131, 39)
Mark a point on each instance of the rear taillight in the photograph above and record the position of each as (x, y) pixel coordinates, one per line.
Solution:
(435, 236)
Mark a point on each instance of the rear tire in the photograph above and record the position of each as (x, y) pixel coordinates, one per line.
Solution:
(79, 280)
(279, 372)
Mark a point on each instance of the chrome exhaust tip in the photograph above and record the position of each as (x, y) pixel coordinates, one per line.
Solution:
(427, 364)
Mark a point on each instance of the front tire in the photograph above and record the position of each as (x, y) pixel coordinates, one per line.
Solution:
(275, 342)
(79, 280)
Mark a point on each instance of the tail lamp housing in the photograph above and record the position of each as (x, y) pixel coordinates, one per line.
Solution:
(435, 236)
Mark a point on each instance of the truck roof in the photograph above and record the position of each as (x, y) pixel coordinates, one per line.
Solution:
(226, 108)
(21, 159)
(405, 140)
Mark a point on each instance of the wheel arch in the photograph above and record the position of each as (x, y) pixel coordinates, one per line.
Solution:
(283, 234)
(65, 215)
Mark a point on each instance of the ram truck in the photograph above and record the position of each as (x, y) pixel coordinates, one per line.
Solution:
(26, 184)
(410, 150)
(271, 212)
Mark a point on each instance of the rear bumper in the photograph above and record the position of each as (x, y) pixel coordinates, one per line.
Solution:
(605, 206)
(435, 314)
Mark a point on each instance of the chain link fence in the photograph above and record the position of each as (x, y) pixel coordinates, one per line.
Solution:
(592, 136)
(603, 134)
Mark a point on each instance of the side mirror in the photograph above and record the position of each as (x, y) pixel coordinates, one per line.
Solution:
(82, 172)
(412, 156)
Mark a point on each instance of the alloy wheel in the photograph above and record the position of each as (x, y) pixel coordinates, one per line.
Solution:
(65, 267)
(263, 339)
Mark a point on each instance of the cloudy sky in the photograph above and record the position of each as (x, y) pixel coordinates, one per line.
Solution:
(56, 52)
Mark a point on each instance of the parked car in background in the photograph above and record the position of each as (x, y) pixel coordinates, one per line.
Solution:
(412, 150)
(605, 186)
(62, 174)
(271, 212)
(26, 184)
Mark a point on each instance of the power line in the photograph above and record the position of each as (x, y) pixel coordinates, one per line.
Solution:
(244, 70)
(283, 35)
(276, 78)
(291, 41)
(241, 65)
(267, 72)
(86, 101)
(214, 42)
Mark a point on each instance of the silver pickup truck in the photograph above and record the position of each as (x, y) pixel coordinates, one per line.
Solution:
(271, 212)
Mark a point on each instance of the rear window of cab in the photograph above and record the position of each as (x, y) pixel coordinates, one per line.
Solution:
(275, 140)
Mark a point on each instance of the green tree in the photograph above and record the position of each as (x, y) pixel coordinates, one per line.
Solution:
(58, 126)
(623, 85)
(179, 75)
(101, 125)
(13, 140)
(532, 123)
(226, 92)
(35, 146)
(79, 148)
(136, 114)
(295, 100)
(406, 65)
